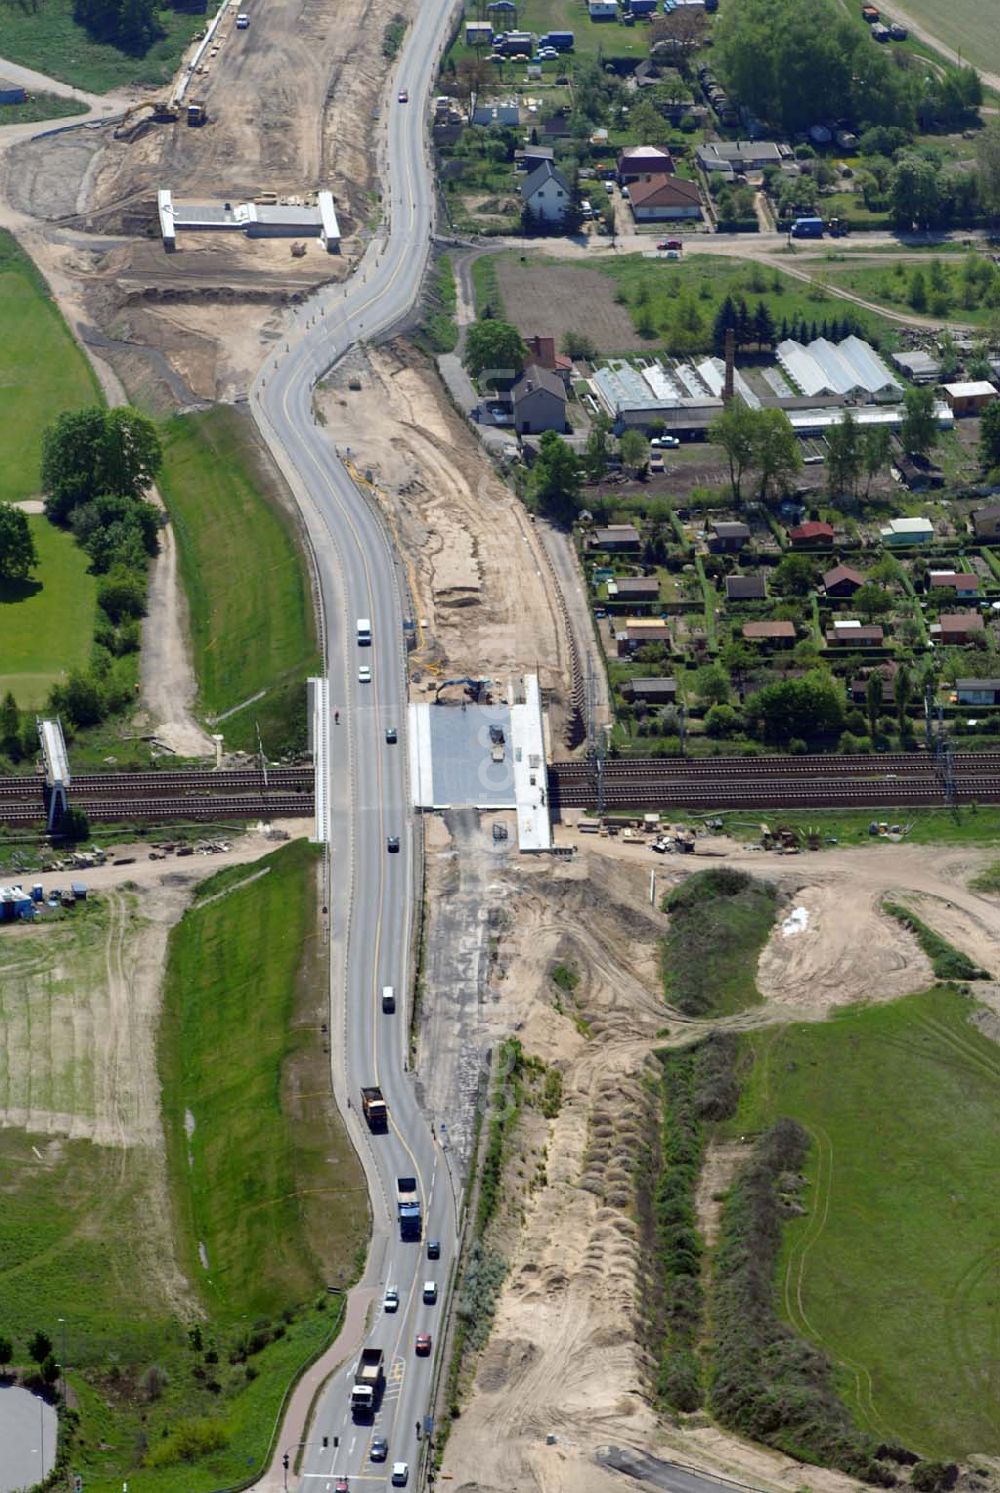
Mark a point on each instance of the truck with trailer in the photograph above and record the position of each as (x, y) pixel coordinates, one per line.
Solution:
(408, 1208)
(369, 1382)
(807, 228)
(376, 1111)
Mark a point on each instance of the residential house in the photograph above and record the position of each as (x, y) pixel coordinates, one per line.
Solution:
(849, 633)
(730, 157)
(963, 584)
(638, 161)
(780, 634)
(986, 521)
(970, 398)
(533, 156)
(727, 538)
(634, 588)
(662, 199)
(811, 535)
(955, 629)
(542, 352)
(638, 631)
(505, 115)
(745, 588)
(546, 193)
(619, 538)
(858, 688)
(652, 691)
(978, 691)
(842, 580)
(538, 399)
(902, 531)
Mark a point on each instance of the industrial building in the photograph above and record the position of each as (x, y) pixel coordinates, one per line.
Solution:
(255, 219)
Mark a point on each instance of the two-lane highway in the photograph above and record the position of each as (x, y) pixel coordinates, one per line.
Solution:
(371, 888)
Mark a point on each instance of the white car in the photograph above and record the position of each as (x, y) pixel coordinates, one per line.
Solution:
(364, 674)
(391, 1301)
(430, 1292)
(400, 1474)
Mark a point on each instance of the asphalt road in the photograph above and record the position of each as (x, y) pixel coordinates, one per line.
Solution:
(371, 891)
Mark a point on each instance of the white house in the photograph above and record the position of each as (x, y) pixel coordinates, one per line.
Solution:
(546, 193)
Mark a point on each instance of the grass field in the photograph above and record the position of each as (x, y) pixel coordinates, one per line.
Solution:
(41, 106)
(895, 1267)
(47, 621)
(966, 26)
(890, 286)
(592, 38)
(47, 38)
(634, 303)
(719, 922)
(261, 1182)
(42, 372)
(245, 578)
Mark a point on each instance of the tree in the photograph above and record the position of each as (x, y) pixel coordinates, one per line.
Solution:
(712, 684)
(902, 689)
(10, 728)
(579, 345)
(916, 192)
(810, 707)
(793, 576)
(919, 433)
(6, 1352)
(988, 162)
(679, 35)
(50, 1369)
(493, 348)
(843, 458)
(989, 436)
(873, 701)
(17, 545)
(875, 448)
(776, 452)
(735, 431)
(917, 294)
(555, 479)
(598, 447)
(634, 449)
(39, 1347)
(723, 721)
(871, 601)
(95, 452)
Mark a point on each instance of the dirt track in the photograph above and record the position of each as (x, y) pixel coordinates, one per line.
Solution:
(564, 1355)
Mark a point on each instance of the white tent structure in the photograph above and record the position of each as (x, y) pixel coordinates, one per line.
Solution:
(850, 369)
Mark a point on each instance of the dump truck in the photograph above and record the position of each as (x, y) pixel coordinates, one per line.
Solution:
(375, 1108)
(369, 1382)
(408, 1208)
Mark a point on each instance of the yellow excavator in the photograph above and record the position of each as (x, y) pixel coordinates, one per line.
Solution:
(157, 111)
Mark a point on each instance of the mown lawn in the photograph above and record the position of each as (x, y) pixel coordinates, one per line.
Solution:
(47, 38)
(42, 371)
(245, 578)
(46, 621)
(895, 1267)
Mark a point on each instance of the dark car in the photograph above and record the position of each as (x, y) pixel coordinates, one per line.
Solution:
(434, 1249)
(390, 735)
(404, 97)
(379, 1449)
(392, 844)
(423, 1344)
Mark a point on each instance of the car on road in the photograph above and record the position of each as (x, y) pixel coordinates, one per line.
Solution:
(430, 1292)
(664, 443)
(423, 1344)
(669, 243)
(379, 1449)
(400, 1474)
(341, 1486)
(390, 1301)
(392, 844)
(364, 674)
(391, 735)
(404, 97)
(434, 1249)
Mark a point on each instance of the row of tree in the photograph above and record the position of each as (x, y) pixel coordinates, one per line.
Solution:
(130, 25)
(758, 329)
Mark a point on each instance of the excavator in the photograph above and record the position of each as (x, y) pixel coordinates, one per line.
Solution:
(476, 689)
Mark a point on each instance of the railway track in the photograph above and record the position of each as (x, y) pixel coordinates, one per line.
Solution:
(128, 784)
(883, 781)
(215, 806)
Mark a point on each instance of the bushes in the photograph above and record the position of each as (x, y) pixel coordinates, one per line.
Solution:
(190, 1440)
(719, 922)
(484, 1275)
(947, 962)
(767, 1383)
(698, 1083)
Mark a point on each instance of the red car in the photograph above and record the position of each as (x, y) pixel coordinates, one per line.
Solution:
(423, 1344)
(669, 243)
(341, 1486)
